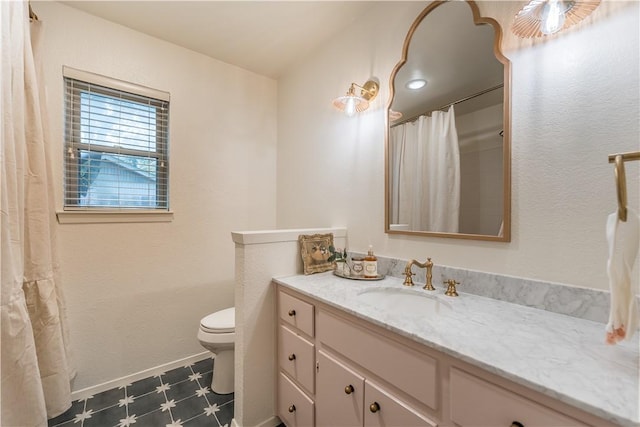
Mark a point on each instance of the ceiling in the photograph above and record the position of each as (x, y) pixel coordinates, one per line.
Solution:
(265, 37)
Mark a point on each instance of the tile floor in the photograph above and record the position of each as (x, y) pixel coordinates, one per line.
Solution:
(181, 397)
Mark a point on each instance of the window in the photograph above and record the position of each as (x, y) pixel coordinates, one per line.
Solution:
(116, 144)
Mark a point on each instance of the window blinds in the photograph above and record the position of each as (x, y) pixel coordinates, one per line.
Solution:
(116, 147)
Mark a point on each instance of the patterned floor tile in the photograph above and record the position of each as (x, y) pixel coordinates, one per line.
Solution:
(182, 390)
(205, 380)
(189, 408)
(225, 415)
(105, 399)
(146, 403)
(202, 421)
(106, 417)
(77, 406)
(176, 375)
(144, 386)
(66, 424)
(179, 397)
(220, 399)
(153, 419)
(203, 366)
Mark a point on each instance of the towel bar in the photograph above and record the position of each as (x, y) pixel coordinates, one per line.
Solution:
(621, 180)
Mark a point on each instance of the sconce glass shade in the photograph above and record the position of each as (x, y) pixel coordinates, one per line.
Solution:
(543, 17)
(353, 103)
(394, 115)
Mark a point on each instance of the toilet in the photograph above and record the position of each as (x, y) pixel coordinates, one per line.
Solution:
(217, 334)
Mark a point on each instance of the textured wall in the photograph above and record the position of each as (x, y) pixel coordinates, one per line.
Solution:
(136, 292)
(260, 256)
(575, 99)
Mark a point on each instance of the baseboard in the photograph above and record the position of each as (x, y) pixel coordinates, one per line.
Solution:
(119, 382)
(270, 422)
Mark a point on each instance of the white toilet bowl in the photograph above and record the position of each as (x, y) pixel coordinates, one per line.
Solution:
(217, 334)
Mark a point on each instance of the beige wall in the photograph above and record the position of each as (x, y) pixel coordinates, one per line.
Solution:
(136, 292)
(575, 99)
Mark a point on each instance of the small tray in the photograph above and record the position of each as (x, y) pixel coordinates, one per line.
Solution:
(379, 277)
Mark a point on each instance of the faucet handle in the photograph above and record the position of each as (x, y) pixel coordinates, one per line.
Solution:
(451, 288)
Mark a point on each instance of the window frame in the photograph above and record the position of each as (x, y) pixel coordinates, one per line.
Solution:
(128, 92)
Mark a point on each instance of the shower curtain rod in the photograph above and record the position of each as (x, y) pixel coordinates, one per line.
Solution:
(475, 95)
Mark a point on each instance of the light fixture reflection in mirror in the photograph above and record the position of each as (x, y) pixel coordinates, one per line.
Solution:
(545, 17)
(460, 53)
(353, 102)
(416, 84)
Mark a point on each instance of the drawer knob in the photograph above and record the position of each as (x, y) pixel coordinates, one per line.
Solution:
(292, 409)
(374, 407)
(292, 313)
(292, 357)
(517, 424)
(349, 389)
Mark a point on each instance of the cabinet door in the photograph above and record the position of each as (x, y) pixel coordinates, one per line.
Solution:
(413, 372)
(339, 394)
(475, 402)
(383, 409)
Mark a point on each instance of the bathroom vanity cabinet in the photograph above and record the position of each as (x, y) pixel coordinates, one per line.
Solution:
(336, 369)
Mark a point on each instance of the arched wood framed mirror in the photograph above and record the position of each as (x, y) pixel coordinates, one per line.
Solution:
(448, 143)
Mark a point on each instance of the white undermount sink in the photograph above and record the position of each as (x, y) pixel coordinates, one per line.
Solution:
(401, 300)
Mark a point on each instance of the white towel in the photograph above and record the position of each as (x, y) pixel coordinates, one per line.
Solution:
(623, 238)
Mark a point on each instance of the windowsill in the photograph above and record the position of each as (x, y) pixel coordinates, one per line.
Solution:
(113, 216)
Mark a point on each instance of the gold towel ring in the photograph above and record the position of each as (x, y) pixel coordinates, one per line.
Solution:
(621, 186)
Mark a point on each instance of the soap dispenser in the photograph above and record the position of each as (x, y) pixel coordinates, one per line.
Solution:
(370, 265)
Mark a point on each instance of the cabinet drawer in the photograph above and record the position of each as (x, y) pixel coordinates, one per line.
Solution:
(296, 357)
(389, 410)
(294, 407)
(340, 394)
(476, 402)
(413, 372)
(296, 313)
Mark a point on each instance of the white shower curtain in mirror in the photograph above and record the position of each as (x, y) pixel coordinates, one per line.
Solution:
(36, 373)
(425, 170)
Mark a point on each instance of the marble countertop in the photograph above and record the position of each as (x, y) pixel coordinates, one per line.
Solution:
(560, 356)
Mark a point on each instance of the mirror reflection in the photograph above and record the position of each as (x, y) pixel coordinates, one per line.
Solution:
(448, 150)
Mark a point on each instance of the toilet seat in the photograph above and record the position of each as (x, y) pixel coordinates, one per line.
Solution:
(220, 322)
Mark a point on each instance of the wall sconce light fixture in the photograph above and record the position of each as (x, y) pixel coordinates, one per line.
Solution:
(353, 102)
(394, 115)
(543, 17)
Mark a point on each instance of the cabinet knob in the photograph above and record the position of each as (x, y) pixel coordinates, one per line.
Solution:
(374, 407)
(349, 389)
(292, 357)
(517, 424)
(292, 409)
(292, 313)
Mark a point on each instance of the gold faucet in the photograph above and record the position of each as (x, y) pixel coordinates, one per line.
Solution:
(451, 288)
(408, 281)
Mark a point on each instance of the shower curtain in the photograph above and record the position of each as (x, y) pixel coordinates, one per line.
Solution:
(425, 170)
(35, 356)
